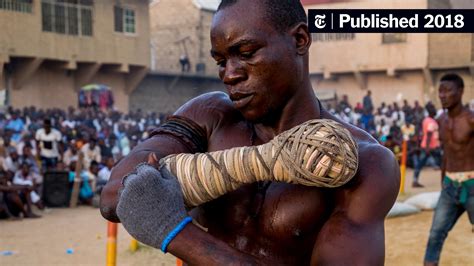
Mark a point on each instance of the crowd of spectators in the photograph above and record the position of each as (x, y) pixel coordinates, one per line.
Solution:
(392, 124)
(34, 141)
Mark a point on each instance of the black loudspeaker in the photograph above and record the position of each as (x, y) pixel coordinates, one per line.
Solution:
(56, 189)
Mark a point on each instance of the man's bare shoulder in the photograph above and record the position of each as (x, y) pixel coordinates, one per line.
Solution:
(470, 116)
(375, 187)
(210, 110)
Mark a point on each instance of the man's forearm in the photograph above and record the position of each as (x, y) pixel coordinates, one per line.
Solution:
(197, 247)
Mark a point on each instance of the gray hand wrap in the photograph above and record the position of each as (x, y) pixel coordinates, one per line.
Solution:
(150, 205)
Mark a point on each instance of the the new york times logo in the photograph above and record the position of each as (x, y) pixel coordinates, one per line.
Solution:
(320, 21)
(391, 20)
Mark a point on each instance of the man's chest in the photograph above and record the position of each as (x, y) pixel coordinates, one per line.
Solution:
(268, 220)
(456, 132)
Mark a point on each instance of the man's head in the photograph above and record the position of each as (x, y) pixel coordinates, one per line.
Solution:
(281, 14)
(109, 162)
(431, 109)
(92, 143)
(12, 152)
(94, 167)
(262, 54)
(27, 150)
(47, 125)
(369, 93)
(450, 90)
(25, 169)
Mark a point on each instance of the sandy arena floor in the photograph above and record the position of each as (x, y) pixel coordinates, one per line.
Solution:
(45, 241)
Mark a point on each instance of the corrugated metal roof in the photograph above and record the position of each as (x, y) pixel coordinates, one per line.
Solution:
(207, 4)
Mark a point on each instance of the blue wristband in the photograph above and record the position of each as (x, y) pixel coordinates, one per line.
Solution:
(173, 233)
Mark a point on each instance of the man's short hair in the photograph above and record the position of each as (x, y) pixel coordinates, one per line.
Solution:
(455, 78)
(282, 13)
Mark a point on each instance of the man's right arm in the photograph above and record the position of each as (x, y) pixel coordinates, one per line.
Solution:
(207, 111)
(161, 145)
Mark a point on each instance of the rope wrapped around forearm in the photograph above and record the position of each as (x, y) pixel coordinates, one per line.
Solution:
(319, 153)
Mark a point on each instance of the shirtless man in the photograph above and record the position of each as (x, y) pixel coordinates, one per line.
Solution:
(457, 170)
(261, 48)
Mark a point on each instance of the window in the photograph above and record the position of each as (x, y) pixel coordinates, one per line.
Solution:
(330, 37)
(124, 19)
(71, 17)
(24, 6)
(394, 37)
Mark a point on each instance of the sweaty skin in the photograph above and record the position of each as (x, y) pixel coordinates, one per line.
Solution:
(266, 76)
(456, 130)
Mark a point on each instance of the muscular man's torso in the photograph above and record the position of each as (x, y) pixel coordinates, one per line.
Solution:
(457, 137)
(276, 221)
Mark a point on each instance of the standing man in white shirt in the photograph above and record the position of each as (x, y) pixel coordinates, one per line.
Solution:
(48, 139)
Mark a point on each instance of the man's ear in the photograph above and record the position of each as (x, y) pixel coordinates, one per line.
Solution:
(302, 38)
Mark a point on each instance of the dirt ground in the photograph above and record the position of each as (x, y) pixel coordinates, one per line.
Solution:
(45, 241)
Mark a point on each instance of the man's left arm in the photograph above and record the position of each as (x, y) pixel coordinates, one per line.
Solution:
(354, 233)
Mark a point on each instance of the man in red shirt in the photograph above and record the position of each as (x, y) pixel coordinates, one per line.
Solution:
(429, 143)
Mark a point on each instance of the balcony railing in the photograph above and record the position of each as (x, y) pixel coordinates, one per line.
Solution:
(24, 6)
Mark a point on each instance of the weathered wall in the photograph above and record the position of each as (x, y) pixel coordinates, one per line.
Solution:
(164, 93)
(22, 36)
(179, 27)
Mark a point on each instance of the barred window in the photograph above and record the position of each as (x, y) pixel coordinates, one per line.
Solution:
(71, 17)
(124, 20)
(24, 6)
(331, 37)
(394, 37)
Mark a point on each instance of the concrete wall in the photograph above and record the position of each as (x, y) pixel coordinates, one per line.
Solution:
(22, 36)
(164, 93)
(50, 87)
(366, 52)
(179, 27)
(450, 50)
(408, 85)
(395, 71)
(46, 69)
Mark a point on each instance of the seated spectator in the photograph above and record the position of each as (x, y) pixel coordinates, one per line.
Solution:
(91, 153)
(27, 140)
(408, 130)
(14, 199)
(383, 130)
(28, 158)
(104, 174)
(88, 179)
(105, 150)
(16, 125)
(11, 162)
(25, 177)
(394, 146)
(71, 154)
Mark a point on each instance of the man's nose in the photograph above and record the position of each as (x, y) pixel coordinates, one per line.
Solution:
(233, 73)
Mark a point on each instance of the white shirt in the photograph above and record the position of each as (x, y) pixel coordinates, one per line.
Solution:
(48, 142)
(104, 174)
(90, 155)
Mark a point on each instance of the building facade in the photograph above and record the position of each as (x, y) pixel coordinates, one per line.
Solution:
(49, 49)
(392, 66)
(180, 29)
